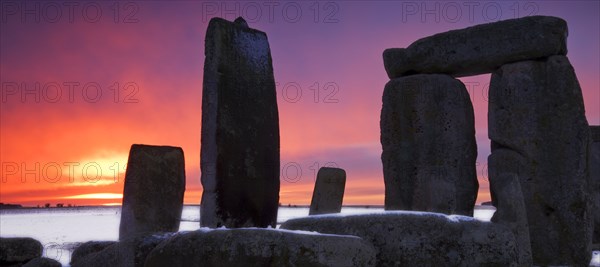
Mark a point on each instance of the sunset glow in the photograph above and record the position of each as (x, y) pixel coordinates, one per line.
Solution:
(76, 95)
(96, 196)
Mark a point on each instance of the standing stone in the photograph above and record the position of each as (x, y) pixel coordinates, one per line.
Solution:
(507, 197)
(240, 128)
(489, 46)
(536, 111)
(595, 179)
(428, 140)
(153, 193)
(329, 191)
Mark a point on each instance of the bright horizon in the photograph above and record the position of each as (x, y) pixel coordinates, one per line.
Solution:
(79, 89)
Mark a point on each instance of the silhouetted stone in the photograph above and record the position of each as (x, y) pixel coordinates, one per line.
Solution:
(329, 191)
(42, 262)
(88, 248)
(131, 252)
(481, 48)
(503, 169)
(153, 193)
(595, 180)
(19, 250)
(406, 238)
(240, 129)
(536, 110)
(428, 140)
(261, 248)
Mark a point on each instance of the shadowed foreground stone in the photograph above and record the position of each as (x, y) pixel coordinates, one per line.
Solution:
(405, 238)
(19, 250)
(536, 110)
(42, 262)
(329, 191)
(260, 247)
(153, 192)
(481, 48)
(428, 140)
(507, 196)
(88, 248)
(595, 179)
(240, 128)
(131, 252)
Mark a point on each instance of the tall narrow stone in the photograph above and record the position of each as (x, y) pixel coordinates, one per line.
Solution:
(595, 179)
(153, 192)
(428, 140)
(329, 191)
(240, 128)
(536, 111)
(507, 196)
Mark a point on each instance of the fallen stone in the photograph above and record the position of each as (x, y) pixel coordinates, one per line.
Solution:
(42, 262)
(131, 252)
(405, 238)
(88, 248)
(260, 247)
(536, 110)
(329, 191)
(488, 47)
(595, 179)
(19, 250)
(153, 192)
(240, 128)
(503, 169)
(429, 149)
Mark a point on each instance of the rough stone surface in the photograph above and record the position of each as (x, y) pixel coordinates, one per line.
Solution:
(42, 262)
(536, 110)
(19, 250)
(131, 252)
(429, 149)
(489, 46)
(595, 177)
(505, 187)
(153, 192)
(329, 191)
(240, 128)
(405, 238)
(261, 247)
(88, 248)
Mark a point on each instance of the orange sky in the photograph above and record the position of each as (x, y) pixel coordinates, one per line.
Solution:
(63, 146)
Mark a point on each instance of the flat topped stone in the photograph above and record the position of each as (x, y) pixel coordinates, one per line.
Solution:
(406, 238)
(481, 48)
(153, 191)
(329, 191)
(240, 128)
(260, 247)
(130, 252)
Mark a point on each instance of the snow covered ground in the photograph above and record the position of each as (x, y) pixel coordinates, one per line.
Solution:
(61, 229)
